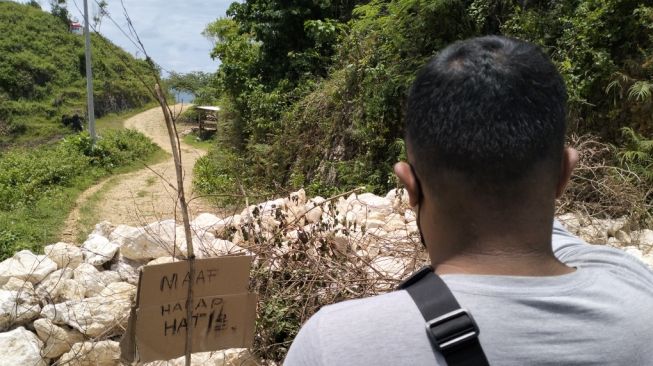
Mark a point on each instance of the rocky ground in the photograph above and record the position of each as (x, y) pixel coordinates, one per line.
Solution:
(70, 305)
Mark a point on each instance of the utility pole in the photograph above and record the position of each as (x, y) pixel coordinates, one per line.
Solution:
(89, 78)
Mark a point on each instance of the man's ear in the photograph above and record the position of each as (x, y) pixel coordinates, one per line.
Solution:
(569, 161)
(409, 180)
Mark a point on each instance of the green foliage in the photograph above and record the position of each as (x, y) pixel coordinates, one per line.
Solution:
(198, 83)
(315, 93)
(42, 74)
(600, 46)
(321, 105)
(213, 175)
(38, 186)
(637, 155)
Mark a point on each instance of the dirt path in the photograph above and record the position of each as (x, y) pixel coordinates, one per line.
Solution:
(142, 196)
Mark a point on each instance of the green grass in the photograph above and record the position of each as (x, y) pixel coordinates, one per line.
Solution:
(34, 226)
(42, 77)
(192, 140)
(115, 121)
(39, 185)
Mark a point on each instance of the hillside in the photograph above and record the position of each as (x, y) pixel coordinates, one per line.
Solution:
(42, 76)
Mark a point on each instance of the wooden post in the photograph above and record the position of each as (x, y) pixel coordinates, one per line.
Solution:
(181, 198)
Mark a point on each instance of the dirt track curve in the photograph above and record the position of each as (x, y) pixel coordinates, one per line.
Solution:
(143, 196)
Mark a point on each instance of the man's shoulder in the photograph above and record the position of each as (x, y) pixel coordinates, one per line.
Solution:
(385, 329)
(370, 306)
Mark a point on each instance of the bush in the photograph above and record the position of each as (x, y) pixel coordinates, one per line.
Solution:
(38, 186)
(341, 126)
(113, 149)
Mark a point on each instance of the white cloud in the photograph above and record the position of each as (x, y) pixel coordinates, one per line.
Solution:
(170, 29)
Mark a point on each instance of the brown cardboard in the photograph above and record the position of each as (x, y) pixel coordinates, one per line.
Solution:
(223, 311)
(221, 275)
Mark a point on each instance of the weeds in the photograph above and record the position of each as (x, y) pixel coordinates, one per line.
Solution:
(38, 187)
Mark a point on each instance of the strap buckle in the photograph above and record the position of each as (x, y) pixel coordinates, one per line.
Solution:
(452, 330)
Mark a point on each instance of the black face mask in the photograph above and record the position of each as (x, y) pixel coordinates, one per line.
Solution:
(419, 206)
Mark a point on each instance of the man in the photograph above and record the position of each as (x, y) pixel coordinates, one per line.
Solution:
(485, 126)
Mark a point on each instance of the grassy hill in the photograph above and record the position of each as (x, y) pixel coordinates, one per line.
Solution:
(42, 76)
(44, 166)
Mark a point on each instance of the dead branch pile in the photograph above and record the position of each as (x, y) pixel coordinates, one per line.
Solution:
(317, 253)
(599, 188)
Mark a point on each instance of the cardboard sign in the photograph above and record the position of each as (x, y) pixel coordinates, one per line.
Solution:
(223, 311)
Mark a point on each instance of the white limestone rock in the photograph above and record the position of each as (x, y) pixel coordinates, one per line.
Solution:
(16, 284)
(64, 255)
(643, 237)
(160, 260)
(410, 216)
(594, 234)
(119, 291)
(394, 222)
(206, 222)
(228, 357)
(313, 212)
(373, 224)
(20, 347)
(623, 237)
(27, 266)
(102, 353)
(50, 288)
(297, 199)
(103, 228)
(219, 247)
(379, 207)
(615, 225)
(18, 307)
(398, 236)
(399, 199)
(71, 290)
(98, 250)
(127, 269)
(412, 227)
(201, 241)
(572, 222)
(93, 280)
(152, 241)
(58, 340)
(93, 316)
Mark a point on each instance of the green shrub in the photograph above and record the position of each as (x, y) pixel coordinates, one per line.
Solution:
(113, 149)
(38, 186)
(339, 124)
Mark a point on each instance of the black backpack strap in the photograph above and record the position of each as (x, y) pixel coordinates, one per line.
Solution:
(451, 329)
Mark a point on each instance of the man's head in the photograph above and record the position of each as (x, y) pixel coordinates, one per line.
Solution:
(485, 122)
(487, 108)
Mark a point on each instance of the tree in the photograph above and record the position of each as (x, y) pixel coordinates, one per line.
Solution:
(59, 9)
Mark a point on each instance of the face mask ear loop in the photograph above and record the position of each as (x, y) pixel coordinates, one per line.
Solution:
(419, 207)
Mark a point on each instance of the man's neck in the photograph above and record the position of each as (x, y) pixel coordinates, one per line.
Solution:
(519, 246)
(534, 264)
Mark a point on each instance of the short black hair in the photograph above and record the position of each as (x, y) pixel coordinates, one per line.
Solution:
(489, 108)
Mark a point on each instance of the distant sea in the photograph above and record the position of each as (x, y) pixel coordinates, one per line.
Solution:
(183, 97)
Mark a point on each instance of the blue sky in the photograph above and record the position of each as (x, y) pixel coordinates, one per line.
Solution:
(170, 29)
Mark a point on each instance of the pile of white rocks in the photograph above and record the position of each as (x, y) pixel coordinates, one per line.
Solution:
(613, 232)
(71, 304)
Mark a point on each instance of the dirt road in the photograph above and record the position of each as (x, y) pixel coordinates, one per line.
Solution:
(143, 196)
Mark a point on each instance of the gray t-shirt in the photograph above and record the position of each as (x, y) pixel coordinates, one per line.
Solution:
(601, 314)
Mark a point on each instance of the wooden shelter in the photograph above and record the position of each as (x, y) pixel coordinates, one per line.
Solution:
(207, 117)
